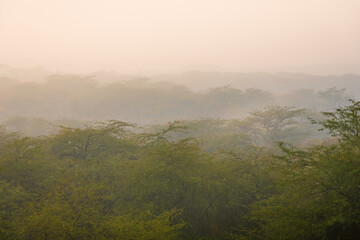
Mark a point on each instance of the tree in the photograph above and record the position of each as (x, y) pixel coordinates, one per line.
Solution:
(274, 123)
(91, 141)
(344, 122)
(334, 97)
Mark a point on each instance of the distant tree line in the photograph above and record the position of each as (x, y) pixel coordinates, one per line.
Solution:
(142, 101)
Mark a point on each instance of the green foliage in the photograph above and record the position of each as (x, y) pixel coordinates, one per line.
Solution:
(344, 122)
(91, 141)
(146, 226)
(319, 191)
(185, 180)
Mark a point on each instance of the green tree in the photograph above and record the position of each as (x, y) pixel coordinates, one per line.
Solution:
(319, 195)
(91, 141)
(344, 122)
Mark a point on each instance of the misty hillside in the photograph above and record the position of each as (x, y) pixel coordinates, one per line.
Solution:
(281, 82)
(162, 98)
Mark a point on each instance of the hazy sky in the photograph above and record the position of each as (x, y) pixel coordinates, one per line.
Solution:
(154, 36)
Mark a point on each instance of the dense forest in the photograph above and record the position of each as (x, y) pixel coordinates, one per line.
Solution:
(270, 175)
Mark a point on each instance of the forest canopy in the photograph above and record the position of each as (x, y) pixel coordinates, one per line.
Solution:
(268, 176)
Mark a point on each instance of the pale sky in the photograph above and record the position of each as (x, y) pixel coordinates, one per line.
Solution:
(158, 36)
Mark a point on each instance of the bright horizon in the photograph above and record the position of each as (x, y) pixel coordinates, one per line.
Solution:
(149, 37)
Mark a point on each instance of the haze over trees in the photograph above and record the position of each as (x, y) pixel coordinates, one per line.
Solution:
(165, 98)
(231, 163)
(179, 120)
